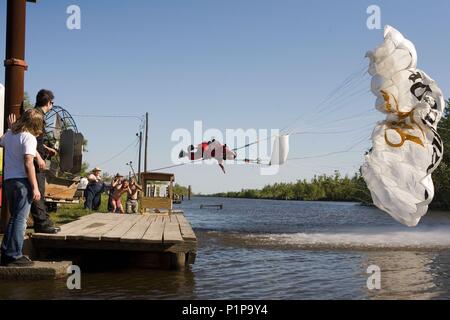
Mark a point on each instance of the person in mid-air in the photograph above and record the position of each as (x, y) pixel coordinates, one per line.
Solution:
(209, 150)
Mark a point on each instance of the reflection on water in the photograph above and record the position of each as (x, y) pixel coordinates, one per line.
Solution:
(282, 250)
(132, 284)
(405, 275)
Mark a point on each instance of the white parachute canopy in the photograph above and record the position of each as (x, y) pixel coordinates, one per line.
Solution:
(406, 146)
(280, 150)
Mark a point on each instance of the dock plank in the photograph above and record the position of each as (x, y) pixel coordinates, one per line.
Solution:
(98, 223)
(103, 216)
(155, 233)
(172, 233)
(186, 228)
(121, 229)
(96, 234)
(135, 233)
(65, 230)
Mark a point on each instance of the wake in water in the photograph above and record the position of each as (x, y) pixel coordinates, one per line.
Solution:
(386, 238)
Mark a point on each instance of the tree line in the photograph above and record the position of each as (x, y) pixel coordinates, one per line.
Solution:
(320, 188)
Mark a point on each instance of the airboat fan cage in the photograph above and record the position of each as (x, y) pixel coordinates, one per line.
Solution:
(57, 120)
(62, 131)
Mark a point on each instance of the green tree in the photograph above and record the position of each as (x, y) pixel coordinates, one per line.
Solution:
(442, 175)
(84, 169)
(180, 190)
(27, 102)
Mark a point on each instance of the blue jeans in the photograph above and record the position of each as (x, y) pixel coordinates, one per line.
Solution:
(19, 196)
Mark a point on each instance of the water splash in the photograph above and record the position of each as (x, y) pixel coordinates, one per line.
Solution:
(382, 238)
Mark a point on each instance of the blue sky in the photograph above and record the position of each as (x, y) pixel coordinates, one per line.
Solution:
(232, 64)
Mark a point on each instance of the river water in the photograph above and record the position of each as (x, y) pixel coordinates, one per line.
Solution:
(256, 249)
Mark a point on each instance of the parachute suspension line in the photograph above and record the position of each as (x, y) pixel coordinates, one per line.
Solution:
(363, 128)
(315, 165)
(250, 144)
(349, 149)
(339, 103)
(371, 112)
(335, 94)
(325, 155)
(259, 161)
(330, 132)
(349, 82)
(353, 77)
(256, 142)
(349, 92)
(253, 161)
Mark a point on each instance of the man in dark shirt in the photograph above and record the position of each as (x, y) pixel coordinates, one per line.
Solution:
(41, 218)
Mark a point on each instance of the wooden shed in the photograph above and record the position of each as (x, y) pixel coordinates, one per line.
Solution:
(157, 192)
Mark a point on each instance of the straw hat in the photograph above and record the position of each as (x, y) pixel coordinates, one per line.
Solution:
(97, 170)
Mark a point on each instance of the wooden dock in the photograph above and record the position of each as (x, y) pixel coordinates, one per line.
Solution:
(169, 236)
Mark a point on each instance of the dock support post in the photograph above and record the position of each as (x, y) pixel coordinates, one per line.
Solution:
(178, 261)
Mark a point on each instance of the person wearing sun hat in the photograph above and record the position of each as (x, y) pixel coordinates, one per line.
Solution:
(95, 176)
(116, 182)
(94, 190)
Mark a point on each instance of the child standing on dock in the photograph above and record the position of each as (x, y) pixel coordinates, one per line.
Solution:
(20, 184)
(118, 192)
(118, 179)
(132, 196)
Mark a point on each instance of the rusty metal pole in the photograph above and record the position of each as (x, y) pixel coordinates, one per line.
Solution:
(15, 69)
(15, 57)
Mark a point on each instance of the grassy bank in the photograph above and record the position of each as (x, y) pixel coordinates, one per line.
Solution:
(69, 213)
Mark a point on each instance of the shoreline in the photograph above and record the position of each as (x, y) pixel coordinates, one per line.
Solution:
(363, 204)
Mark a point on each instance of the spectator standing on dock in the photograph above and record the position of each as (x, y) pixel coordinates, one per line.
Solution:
(94, 190)
(45, 151)
(133, 196)
(117, 181)
(21, 185)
